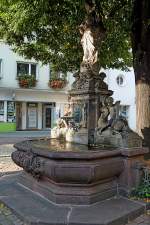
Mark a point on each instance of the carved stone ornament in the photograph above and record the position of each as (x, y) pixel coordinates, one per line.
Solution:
(29, 162)
(86, 80)
(113, 129)
(100, 84)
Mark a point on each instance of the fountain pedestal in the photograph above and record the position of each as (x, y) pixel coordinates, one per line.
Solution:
(78, 175)
(88, 93)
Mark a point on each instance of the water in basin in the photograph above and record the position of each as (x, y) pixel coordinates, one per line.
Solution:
(62, 145)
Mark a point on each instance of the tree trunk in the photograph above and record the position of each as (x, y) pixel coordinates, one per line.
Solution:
(141, 62)
(142, 108)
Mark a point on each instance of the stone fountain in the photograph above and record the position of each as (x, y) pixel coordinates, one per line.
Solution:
(90, 164)
(92, 154)
(92, 151)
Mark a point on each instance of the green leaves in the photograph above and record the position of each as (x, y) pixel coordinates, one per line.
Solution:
(143, 191)
(48, 31)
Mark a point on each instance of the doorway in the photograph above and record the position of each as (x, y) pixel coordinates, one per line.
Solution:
(47, 119)
(32, 122)
(18, 115)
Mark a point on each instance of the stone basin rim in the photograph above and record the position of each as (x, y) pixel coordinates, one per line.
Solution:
(87, 155)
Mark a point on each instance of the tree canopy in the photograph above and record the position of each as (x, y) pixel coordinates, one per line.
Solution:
(48, 30)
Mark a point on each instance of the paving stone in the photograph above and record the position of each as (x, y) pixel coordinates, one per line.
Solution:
(7, 217)
(32, 209)
(142, 220)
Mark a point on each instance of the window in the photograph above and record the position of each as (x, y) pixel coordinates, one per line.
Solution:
(1, 111)
(120, 80)
(0, 68)
(124, 111)
(55, 73)
(26, 69)
(11, 111)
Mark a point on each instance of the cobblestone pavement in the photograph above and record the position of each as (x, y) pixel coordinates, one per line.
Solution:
(142, 220)
(6, 164)
(7, 217)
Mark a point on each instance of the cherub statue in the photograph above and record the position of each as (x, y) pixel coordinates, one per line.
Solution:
(77, 84)
(61, 123)
(103, 119)
(68, 110)
(113, 110)
(109, 114)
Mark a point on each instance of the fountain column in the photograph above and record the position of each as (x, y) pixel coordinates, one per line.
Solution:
(87, 94)
(89, 90)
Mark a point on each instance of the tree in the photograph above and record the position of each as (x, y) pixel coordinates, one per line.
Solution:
(141, 54)
(49, 31)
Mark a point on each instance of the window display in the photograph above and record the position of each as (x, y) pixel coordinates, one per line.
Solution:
(11, 117)
(1, 111)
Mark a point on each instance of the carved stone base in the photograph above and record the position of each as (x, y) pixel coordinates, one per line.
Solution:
(32, 208)
(78, 175)
(84, 194)
(75, 177)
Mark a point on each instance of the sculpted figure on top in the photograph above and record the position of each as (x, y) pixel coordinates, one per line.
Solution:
(93, 32)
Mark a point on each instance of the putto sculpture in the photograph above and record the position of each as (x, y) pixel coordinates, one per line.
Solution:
(108, 114)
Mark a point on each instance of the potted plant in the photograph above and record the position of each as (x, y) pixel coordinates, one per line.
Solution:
(26, 81)
(57, 83)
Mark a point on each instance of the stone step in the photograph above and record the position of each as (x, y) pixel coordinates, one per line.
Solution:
(33, 209)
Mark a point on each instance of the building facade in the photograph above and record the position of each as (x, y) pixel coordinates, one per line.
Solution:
(35, 107)
(123, 86)
(39, 106)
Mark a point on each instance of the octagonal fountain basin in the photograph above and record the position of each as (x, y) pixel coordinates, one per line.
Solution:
(68, 173)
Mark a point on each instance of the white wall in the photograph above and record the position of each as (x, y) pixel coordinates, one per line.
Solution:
(9, 66)
(125, 93)
(9, 69)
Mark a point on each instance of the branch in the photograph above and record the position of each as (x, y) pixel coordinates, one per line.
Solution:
(117, 7)
(99, 8)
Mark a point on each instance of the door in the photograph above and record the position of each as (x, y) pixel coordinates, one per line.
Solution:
(18, 115)
(47, 117)
(32, 116)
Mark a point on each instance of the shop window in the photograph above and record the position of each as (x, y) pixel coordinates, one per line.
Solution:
(124, 111)
(26, 69)
(11, 117)
(1, 111)
(0, 68)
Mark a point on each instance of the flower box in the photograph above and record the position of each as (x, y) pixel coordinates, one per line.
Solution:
(57, 83)
(27, 81)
